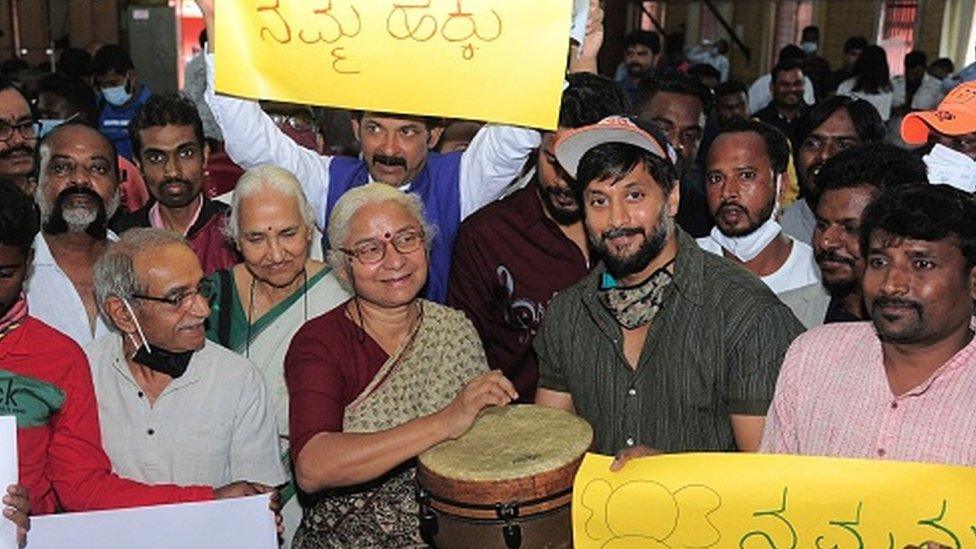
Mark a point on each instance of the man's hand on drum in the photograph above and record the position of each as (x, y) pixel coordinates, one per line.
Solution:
(488, 389)
(627, 454)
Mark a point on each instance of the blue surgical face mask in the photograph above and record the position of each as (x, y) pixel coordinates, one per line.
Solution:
(48, 125)
(809, 47)
(117, 95)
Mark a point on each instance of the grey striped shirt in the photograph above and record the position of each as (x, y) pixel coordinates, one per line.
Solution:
(714, 349)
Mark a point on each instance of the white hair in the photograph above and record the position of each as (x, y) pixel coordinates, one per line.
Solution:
(356, 198)
(266, 178)
(115, 273)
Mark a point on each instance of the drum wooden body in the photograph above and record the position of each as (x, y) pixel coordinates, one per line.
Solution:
(506, 483)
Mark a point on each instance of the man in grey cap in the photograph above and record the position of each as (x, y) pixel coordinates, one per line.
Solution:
(663, 347)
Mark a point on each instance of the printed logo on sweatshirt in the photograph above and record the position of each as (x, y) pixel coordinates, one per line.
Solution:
(30, 400)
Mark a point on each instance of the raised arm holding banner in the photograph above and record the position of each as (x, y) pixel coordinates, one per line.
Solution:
(475, 59)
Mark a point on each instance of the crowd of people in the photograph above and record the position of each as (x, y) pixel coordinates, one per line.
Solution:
(687, 262)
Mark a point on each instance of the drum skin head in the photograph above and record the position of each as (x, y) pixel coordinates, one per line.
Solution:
(511, 442)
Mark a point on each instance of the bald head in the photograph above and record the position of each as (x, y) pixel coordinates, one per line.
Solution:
(69, 131)
(76, 160)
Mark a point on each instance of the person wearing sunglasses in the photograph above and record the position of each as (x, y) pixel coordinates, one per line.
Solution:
(174, 408)
(379, 379)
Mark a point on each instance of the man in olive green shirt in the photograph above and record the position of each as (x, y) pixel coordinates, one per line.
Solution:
(663, 347)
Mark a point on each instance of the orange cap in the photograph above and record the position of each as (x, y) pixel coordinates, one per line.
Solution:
(956, 115)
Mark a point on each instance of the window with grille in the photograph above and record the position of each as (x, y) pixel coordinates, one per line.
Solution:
(896, 33)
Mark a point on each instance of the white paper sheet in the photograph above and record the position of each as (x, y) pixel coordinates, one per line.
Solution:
(8, 475)
(242, 523)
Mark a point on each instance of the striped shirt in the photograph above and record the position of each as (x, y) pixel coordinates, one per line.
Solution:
(833, 399)
(714, 349)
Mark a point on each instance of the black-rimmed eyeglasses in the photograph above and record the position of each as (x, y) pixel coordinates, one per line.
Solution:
(181, 299)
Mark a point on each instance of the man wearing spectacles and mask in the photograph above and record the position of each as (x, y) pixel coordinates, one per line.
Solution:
(174, 407)
(170, 150)
(18, 137)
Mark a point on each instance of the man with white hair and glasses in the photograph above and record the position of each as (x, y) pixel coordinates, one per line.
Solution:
(173, 407)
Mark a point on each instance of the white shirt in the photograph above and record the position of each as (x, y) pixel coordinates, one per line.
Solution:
(491, 162)
(800, 269)
(799, 221)
(52, 297)
(881, 101)
(760, 95)
(210, 426)
(699, 54)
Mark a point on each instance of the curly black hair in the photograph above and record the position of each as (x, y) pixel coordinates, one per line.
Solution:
(924, 212)
(19, 222)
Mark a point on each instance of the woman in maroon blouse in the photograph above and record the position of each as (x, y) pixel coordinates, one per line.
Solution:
(378, 380)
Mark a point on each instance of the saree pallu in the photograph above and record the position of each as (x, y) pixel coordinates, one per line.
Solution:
(420, 378)
(270, 336)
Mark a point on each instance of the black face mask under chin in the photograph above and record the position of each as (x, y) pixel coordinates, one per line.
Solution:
(160, 360)
(156, 358)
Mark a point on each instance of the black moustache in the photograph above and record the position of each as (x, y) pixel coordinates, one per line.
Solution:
(56, 223)
(732, 205)
(389, 160)
(171, 181)
(831, 256)
(19, 148)
(616, 233)
(883, 301)
(562, 193)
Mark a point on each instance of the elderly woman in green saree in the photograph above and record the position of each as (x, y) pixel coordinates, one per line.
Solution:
(260, 304)
(379, 380)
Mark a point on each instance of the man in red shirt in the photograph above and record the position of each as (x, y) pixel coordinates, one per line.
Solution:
(45, 382)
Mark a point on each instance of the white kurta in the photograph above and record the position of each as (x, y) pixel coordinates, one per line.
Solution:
(211, 426)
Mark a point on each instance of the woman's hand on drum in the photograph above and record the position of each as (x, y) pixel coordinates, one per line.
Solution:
(627, 454)
(488, 389)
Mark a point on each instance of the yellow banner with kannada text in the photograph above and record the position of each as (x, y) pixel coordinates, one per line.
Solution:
(494, 60)
(756, 501)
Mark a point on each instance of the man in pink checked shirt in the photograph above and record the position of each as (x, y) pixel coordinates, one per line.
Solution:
(903, 386)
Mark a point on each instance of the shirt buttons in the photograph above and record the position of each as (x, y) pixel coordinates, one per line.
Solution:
(151, 432)
(630, 441)
(881, 452)
(894, 405)
(139, 394)
(632, 392)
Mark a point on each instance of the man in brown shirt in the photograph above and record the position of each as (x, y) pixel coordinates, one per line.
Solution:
(514, 255)
(662, 347)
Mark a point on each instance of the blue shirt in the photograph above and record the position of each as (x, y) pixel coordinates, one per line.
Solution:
(113, 121)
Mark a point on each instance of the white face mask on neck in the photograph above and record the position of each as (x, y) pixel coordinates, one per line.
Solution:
(748, 247)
